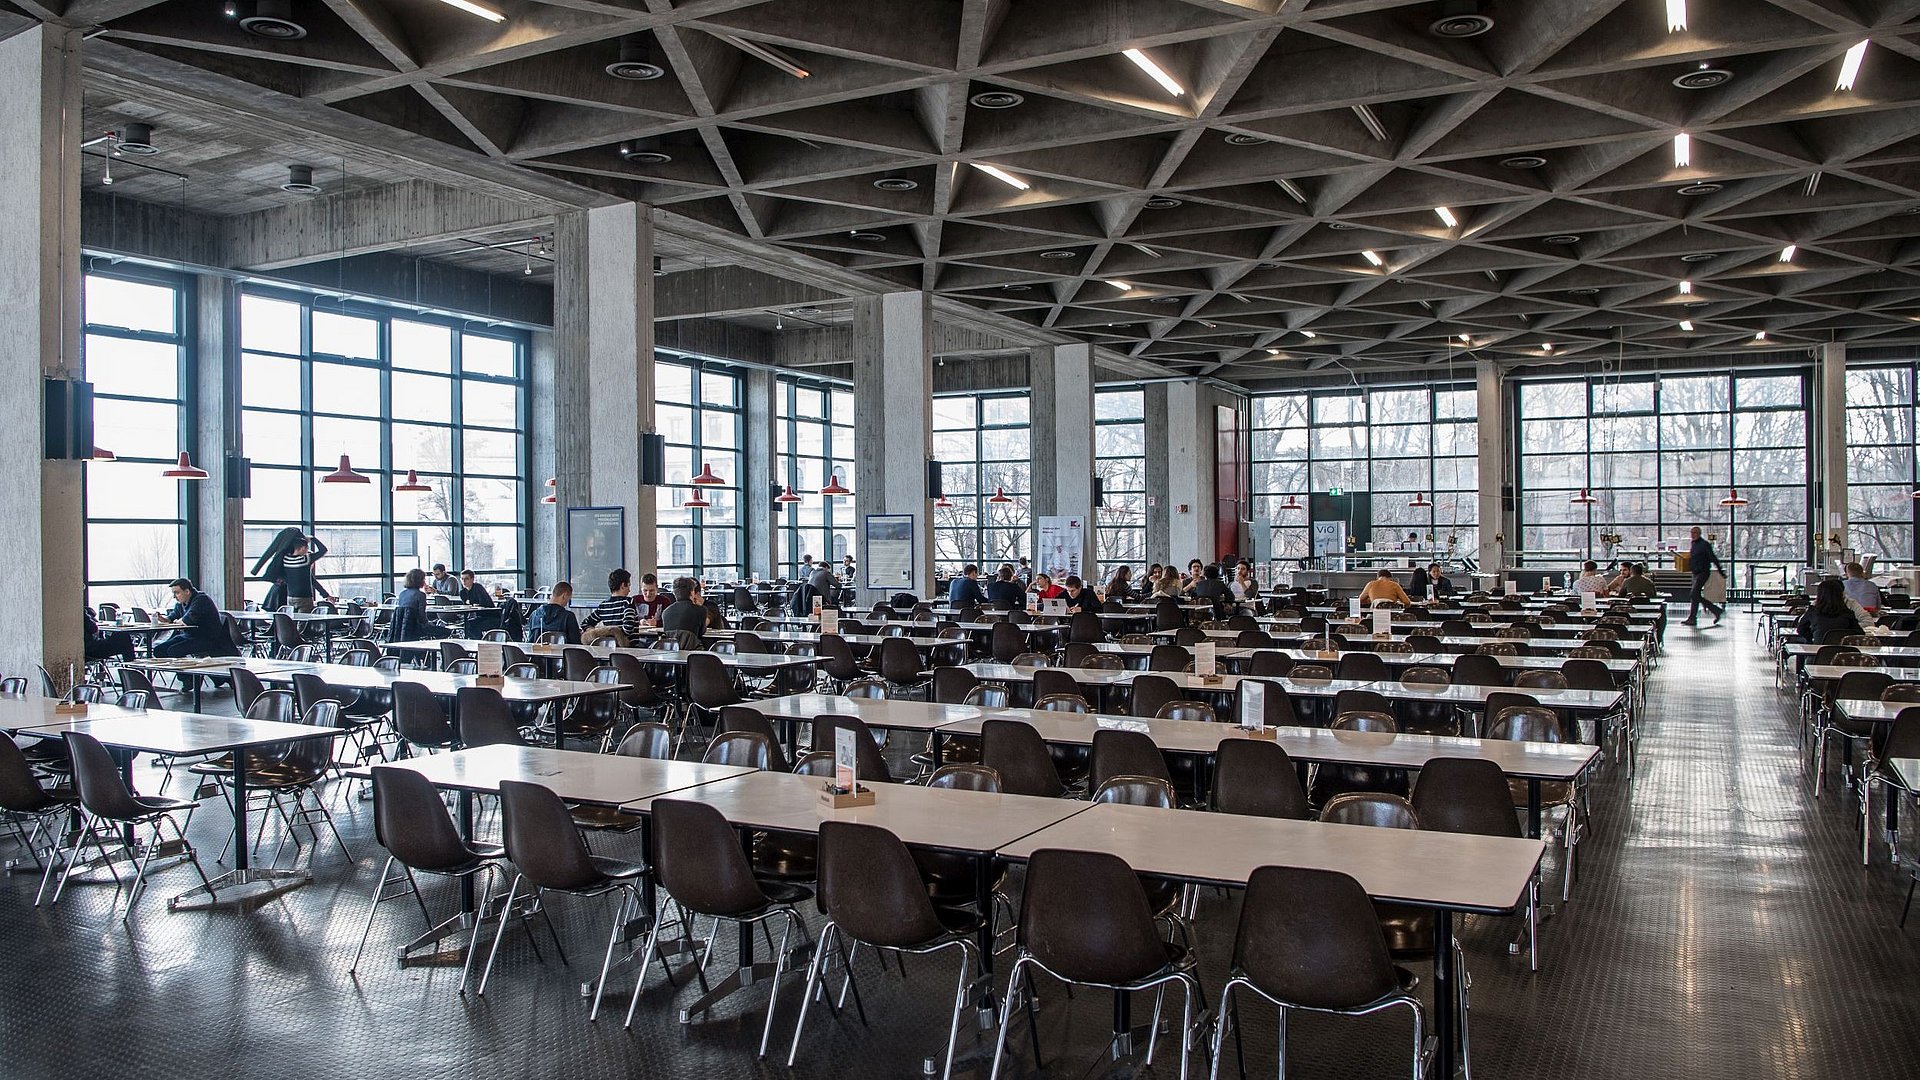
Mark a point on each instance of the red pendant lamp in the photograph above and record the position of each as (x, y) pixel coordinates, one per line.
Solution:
(706, 476)
(551, 497)
(345, 474)
(1733, 498)
(412, 484)
(1585, 498)
(1420, 501)
(185, 470)
(944, 503)
(100, 454)
(696, 501)
(787, 497)
(1292, 503)
(999, 496)
(835, 487)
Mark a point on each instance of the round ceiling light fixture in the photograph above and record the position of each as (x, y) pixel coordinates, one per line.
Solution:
(135, 139)
(1583, 292)
(1015, 287)
(1703, 78)
(636, 63)
(1166, 300)
(1523, 161)
(1056, 254)
(645, 151)
(896, 183)
(300, 181)
(997, 99)
(1460, 19)
(865, 237)
(1241, 138)
(1162, 202)
(1699, 257)
(1699, 189)
(1339, 226)
(270, 19)
(1560, 239)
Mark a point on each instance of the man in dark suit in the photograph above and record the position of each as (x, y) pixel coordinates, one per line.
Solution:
(688, 611)
(1701, 561)
(204, 633)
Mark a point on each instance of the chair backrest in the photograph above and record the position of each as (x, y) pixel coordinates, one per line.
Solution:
(988, 696)
(965, 776)
(1361, 700)
(1393, 648)
(1055, 682)
(1498, 648)
(1006, 641)
(1901, 691)
(1085, 917)
(1375, 808)
(1425, 675)
(130, 679)
(871, 764)
(1066, 703)
(1465, 795)
(358, 658)
(96, 776)
(1270, 664)
(698, 860)
(485, 718)
(1540, 679)
(1152, 692)
(1016, 751)
(451, 651)
(279, 706)
(310, 689)
(246, 687)
(1169, 658)
(1526, 723)
(1311, 938)
(1362, 667)
(874, 689)
(1102, 662)
(748, 749)
(1033, 660)
(951, 685)
(1255, 777)
(1584, 673)
(1135, 791)
(740, 718)
(814, 763)
(542, 840)
(709, 683)
(417, 716)
(899, 660)
(14, 685)
(1117, 752)
(1903, 737)
(1365, 720)
(871, 887)
(527, 670)
(20, 791)
(1186, 710)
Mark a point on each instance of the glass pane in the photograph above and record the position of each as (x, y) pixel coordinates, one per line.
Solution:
(333, 436)
(421, 346)
(271, 437)
(272, 325)
(137, 428)
(269, 381)
(717, 388)
(489, 356)
(420, 397)
(673, 382)
(488, 403)
(1553, 399)
(347, 389)
(1119, 405)
(493, 501)
(276, 496)
(134, 368)
(148, 551)
(134, 305)
(491, 548)
(346, 335)
(422, 448)
(1004, 410)
(348, 502)
(492, 452)
(129, 489)
(953, 414)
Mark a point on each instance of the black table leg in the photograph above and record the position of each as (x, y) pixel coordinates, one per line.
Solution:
(241, 855)
(1533, 808)
(1445, 997)
(467, 904)
(983, 897)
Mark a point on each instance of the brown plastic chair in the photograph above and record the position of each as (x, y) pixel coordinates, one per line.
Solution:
(1169, 658)
(870, 763)
(871, 889)
(748, 749)
(1408, 929)
(549, 854)
(951, 684)
(740, 718)
(106, 801)
(1152, 692)
(1309, 939)
(1257, 778)
(485, 719)
(1016, 751)
(23, 797)
(1067, 703)
(1118, 752)
(1085, 919)
(1332, 780)
(419, 720)
(1471, 795)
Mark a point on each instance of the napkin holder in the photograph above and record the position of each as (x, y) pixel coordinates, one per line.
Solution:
(1210, 680)
(64, 707)
(1266, 733)
(1327, 654)
(1382, 637)
(830, 799)
(490, 680)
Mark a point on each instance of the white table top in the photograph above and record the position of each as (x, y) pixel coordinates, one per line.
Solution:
(438, 683)
(159, 732)
(1828, 672)
(601, 779)
(876, 712)
(972, 821)
(651, 656)
(1431, 869)
(1876, 712)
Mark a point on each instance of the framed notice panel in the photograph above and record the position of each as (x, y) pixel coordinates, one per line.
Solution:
(889, 562)
(596, 539)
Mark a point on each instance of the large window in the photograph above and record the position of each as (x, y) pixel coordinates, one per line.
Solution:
(1880, 462)
(392, 391)
(137, 359)
(1120, 461)
(698, 410)
(1413, 448)
(813, 442)
(984, 445)
(1659, 454)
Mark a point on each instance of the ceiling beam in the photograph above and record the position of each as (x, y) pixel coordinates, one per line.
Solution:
(367, 220)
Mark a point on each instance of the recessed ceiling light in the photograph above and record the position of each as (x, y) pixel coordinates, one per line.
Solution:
(270, 19)
(866, 237)
(1118, 284)
(1699, 257)
(1850, 67)
(472, 8)
(1001, 175)
(1145, 63)
(997, 99)
(1682, 150)
(1787, 253)
(1373, 258)
(1273, 352)
(1015, 288)
(1144, 250)
(1676, 16)
(1447, 217)
(1162, 202)
(645, 151)
(1686, 288)
(1699, 189)
(1523, 161)
(1546, 346)
(636, 63)
(1460, 19)
(1339, 225)
(1583, 292)
(1241, 138)
(1293, 192)
(300, 180)
(135, 139)
(896, 183)
(1057, 254)
(1687, 325)
(1760, 335)
(1308, 334)
(1165, 300)
(1560, 239)
(1703, 78)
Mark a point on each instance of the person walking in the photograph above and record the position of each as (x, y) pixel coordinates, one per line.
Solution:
(1702, 562)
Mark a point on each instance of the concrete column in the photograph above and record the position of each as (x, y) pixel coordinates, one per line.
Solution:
(1062, 380)
(220, 556)
(1159, 500)
(893, 425)
(757, 473)
(1490, 400)
(543, 519)
(603, 376)
(44, 530)
(1191, 457)
(1830, 444)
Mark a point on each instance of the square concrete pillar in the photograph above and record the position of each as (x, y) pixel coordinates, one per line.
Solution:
(1191, 472)
(44, 529)
(1490, 397)
(1062, 381)
(757, 518)
(219, 558)
(603, 371)
(893, 427)
(1830, 445)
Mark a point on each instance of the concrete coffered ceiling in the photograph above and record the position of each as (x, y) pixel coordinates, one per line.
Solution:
(1231, 229)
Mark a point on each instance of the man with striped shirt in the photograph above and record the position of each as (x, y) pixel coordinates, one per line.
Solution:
(616, 612)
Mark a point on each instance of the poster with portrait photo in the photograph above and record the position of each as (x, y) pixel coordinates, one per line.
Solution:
(596, 541)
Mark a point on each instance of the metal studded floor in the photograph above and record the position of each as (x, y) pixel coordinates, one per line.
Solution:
(1721, 927)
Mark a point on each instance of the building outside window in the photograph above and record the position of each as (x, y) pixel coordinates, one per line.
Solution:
(697, 408)
(984, 445)
(138, 358)
(393, 391)
(813, 442)
(1880, 462)
(1120, 461)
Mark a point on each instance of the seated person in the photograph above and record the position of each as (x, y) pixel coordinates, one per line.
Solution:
(1832, 612)
(652, 600)
(1638, 583)
(1078, 596)
(1437, 580)
(1383, 587)
(689, 611)
(1590, 579)
(964, 591)
(204, 634)
(1861, 589)
(1003, 591)
(616, 617)
(445, 584)
(410, 622)
(1210, 588)
(474, 594)
(1043, 588)
(105, 646)
(555, 617)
